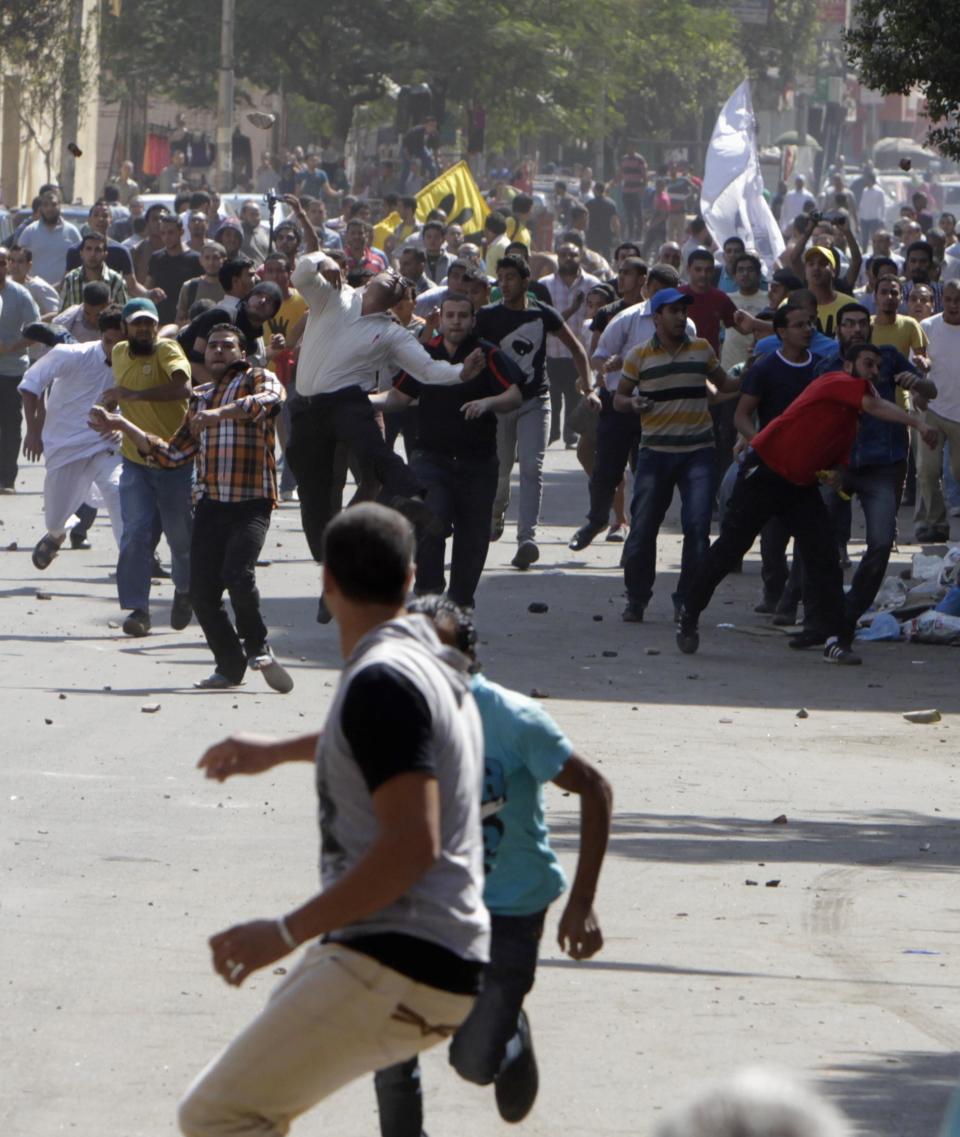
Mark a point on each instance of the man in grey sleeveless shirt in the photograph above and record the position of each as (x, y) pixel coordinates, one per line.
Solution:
(399, 934)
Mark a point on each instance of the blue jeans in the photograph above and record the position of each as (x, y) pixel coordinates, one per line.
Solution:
(145, 493)
(878, 490)
(487, 1040)
(657, 475)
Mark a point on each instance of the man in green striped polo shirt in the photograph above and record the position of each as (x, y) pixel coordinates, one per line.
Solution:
(668, 381)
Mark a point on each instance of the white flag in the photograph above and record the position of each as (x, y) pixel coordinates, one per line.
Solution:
(732, 201)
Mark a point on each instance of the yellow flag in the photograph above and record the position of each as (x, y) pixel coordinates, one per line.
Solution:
(458, 195)
(384, 229)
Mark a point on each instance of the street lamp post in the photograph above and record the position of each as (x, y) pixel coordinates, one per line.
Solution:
(225, 98)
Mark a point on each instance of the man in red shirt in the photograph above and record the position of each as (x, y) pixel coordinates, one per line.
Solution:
(787, 461)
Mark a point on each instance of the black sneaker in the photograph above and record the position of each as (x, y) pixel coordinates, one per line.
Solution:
(275, 673)
(841, 654)
(785, 618)
(137, 623)
(632, 614)
(583, 537)
(527, 553)
(324, 615)
(766, 607)
(688, 637)
(79, 540)
(516, 1085)
(158, 572)
(181, 612)
(497, 525)
(807, 638)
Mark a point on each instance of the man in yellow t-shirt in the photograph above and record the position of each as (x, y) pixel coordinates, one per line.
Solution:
(820, 268)
(889, 327)
(152, 384)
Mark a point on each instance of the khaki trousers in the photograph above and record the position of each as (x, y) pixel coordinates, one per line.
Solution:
(931, 512)
(338, 1015)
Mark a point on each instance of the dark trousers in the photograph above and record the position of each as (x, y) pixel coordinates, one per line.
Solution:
(11, 429)
(226, 544)
(633, 215)
(562, 374)
(318, 424)
(402, 424)
(657, 475)
(485, 1042)
(460, 493)
(618, 436)
(759, 495)
(878, 490)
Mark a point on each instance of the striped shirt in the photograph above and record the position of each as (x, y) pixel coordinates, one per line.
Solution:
(677, 384)
(71, 290)
(235, 458)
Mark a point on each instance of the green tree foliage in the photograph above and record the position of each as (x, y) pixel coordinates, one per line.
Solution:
(583, 66)
(906, 44)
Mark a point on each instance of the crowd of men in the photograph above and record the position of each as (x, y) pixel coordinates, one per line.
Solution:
(189, 371)
(479, 349)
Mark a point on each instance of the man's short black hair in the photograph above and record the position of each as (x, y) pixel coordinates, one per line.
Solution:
(920, 246)
(790, 281)
(418, 254)
(634, 264)
(496, 223)
(368, 550)
(231, 269)
(26, 253)
(199, 199)
(700, 255)
(98, 237)
(232, 329)
(458, 297)
(290, 227)
(853, 353)
(169, 219)
(848, 308)
(95, 294)
(517, 264)
(572, 237)
(454, 624)
(518, 247)
(874, 264)
(664, 275)
(437, 225)
(782, 315)
(730, 240)
(522, 203)
(560, 187)
(752, 258)
(157, 207)
(110, 317)
(408, 201)
(358, 206)
(111, 194)
(627, 245)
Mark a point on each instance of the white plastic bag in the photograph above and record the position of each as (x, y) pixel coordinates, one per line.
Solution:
(934, 628)
(924, 567)
(891, 594)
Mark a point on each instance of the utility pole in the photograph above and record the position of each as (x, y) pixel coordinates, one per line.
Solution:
(225, 98)
(70, 101)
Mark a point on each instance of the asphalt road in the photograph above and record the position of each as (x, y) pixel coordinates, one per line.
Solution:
(120, 860)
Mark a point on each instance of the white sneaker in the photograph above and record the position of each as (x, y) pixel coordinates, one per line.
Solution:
(289, 495)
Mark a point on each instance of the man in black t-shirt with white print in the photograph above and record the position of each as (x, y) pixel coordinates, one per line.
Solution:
(519, 325)
(455, 456)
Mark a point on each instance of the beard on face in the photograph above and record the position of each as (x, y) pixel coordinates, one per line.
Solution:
(141, 347)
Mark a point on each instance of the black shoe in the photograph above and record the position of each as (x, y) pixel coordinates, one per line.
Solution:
(419, 514)
(842, 654)
(688, 637)
(527, 553)
(785, 618)
(137, 623)
(181, 612)
(632, 614)
(766, 607)
(807, 638)
(158, 572)
(497, 524)
(516, 1085)
(584, 536)
(324, 616)
(78, 540)
(45, 550)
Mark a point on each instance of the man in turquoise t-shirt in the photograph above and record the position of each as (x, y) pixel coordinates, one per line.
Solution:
(523, 749)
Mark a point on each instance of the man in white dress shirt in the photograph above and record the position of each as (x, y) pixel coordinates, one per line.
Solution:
(350, 336)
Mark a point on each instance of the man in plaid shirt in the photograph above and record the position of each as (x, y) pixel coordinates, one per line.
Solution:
(93, 254)
(229, 430)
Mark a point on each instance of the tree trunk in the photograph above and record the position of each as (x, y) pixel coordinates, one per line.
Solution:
(70, 100)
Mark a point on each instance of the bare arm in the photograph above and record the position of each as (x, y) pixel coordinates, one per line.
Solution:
(856, 260)
(579, 931)
(253, 754)
(311, 242)
(34, 413)
(724, 383)
(407, 809)
(177, 388)
(392, 400)
(743, 418)
(509, 400)
(628, 401)
(919, 385)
